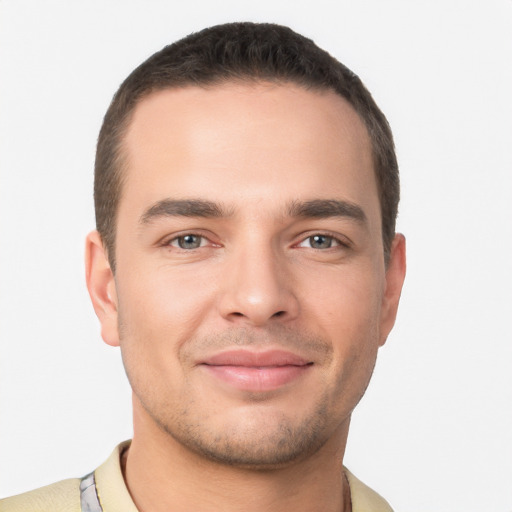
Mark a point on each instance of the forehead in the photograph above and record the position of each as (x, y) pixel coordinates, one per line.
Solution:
(240, 143)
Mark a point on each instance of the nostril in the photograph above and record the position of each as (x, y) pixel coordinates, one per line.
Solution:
(279, 313)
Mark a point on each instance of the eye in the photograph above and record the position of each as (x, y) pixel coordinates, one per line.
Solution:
(189, 241)
(320, 242)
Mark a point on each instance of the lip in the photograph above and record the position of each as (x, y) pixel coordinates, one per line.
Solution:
(256, 371)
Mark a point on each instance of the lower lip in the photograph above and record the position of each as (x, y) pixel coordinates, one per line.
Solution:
(266, 378)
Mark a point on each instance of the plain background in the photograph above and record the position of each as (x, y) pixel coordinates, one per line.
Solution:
(434, 431)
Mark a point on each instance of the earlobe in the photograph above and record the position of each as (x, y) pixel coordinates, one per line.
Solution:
(395, 275)
(102, 287)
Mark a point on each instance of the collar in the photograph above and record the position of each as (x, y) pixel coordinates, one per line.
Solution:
(113, 493)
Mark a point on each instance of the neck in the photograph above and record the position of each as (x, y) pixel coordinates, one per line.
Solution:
(163, 475)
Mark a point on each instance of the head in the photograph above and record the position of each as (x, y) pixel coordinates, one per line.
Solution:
(246, 191)
(239, 52)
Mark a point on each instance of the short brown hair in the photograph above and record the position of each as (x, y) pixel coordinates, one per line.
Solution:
(239, 52)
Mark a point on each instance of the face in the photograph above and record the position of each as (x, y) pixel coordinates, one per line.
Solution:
(250, 294)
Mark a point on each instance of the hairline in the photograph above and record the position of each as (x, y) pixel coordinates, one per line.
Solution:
(120, 151)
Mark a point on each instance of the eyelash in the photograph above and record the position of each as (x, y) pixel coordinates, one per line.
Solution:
(332, 239)
(176, 239)
(339, 242)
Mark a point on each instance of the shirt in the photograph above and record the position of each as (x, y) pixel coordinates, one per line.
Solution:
(113, 495)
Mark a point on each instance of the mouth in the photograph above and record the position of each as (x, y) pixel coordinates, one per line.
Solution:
(257, 371)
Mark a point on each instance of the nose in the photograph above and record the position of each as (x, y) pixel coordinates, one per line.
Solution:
(258, 288)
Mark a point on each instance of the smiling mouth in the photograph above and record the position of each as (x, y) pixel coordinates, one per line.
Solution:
(257, 371)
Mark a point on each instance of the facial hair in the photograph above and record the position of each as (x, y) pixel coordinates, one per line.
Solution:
(261, 436)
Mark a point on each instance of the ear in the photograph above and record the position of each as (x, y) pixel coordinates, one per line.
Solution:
(395, 275)
(102, 287)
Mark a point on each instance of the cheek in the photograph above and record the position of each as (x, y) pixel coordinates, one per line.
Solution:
(346, 306)
(347, 313)
(161, 310)
(156, 317)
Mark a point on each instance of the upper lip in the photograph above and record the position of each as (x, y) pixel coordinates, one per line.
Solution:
(255, 359)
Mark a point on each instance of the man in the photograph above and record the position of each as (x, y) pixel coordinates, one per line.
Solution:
(246, 262)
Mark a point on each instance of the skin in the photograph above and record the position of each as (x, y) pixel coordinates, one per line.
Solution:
(255, 280)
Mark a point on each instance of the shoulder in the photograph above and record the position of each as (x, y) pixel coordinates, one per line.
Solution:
(63, 496)
(365, 499)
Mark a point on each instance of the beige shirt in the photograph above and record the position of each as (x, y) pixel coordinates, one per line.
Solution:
(113, 495)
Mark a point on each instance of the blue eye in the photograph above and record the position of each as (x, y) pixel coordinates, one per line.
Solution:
(187, 241)
(320, 242)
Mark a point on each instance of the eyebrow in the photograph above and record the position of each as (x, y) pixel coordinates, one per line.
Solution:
(184, 208)
(325, 208)
(316, 208)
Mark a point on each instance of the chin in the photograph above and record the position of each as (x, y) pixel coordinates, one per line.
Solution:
(261, 440)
